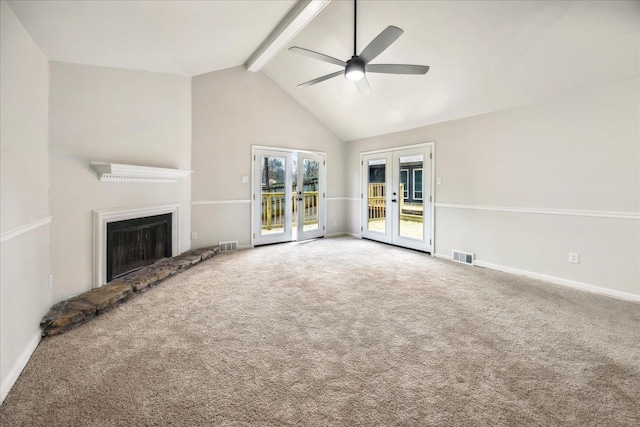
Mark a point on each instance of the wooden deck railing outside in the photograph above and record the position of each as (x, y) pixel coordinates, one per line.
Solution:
(377, 201)
(273, 209)
(377, 204)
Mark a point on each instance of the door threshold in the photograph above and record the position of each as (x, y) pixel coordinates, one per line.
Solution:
(290, 241)
(398, 246)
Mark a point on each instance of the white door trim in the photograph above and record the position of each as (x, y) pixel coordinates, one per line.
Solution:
(288, 151)
(432, 145)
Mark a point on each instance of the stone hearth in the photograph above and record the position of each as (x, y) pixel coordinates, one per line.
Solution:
(73, 312)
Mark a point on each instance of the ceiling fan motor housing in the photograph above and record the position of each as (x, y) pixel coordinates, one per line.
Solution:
(354, 69)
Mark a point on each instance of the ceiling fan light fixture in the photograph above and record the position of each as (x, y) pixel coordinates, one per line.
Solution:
(354, 70)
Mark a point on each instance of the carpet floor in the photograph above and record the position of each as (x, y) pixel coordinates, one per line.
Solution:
(340, 332)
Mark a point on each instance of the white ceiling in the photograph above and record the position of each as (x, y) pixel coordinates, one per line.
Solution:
(484, 55)
(174, 37)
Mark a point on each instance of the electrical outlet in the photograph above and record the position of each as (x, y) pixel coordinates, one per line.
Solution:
(574, 257)
(439, 180)
(50, 280)
(194, 236)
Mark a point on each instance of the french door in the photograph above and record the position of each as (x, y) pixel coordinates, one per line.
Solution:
(397, 199)
(288, 197)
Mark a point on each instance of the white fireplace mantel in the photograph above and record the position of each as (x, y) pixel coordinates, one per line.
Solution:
(116, 172)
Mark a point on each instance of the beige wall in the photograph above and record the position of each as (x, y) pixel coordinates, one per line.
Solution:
(576, 155)
(111, 115)
(24, 196)
(232, 110)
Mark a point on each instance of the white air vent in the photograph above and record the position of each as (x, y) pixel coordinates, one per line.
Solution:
(228, 246)
(463, 257)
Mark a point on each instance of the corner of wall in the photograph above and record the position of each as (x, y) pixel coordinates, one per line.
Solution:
(25, 219)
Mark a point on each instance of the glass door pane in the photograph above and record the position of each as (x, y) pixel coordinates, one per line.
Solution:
(377, 198)
(294, 197)
(377, 195)
(310, 202)
(310, 196)
(272, 206)
(272, 191)
(411, 223)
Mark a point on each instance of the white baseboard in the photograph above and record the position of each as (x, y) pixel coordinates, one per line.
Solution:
(15, 372)
(343, 233)
(338, 234)
(555, 280)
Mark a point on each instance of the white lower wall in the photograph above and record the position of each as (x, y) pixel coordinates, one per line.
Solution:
(540, 243)
(222, 222)
(24, 280)
(353, 216)
(336, 216)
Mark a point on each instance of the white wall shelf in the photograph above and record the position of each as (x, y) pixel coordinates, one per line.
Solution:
(115, 172)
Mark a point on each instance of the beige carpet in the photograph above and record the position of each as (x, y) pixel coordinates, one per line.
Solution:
(341, 332)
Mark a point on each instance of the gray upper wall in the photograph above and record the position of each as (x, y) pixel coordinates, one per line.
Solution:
(233, 110)
(120, 116)
(24, 132)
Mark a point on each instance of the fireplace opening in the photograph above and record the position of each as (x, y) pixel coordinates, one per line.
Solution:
(136, 243)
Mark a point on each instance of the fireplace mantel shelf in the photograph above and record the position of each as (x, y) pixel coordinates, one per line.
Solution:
(115, 172)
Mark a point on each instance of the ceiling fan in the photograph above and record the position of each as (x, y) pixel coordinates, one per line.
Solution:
(355, 69)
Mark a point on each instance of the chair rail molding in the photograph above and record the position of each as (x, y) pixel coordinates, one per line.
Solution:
(543, 211)
(115, 172)
(18, 231)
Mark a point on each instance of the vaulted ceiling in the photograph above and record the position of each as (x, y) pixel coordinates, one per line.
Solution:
(484, 55)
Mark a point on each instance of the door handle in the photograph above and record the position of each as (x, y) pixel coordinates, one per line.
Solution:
(299, 199)
(394, 200)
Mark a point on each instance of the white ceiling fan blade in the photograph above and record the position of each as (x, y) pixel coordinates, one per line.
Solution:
(396, 68)
(363, 86)
(380, 43)
(318, 56)
(321, 79)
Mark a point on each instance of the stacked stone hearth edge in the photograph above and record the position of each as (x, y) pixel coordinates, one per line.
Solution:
(75, 311)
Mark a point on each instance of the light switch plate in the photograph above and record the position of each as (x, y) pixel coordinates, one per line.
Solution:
(245, 179)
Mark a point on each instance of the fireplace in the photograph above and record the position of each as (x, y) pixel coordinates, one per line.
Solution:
(149, 232)
(135, 243)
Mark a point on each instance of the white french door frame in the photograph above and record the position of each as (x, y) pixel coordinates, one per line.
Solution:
(288, 152)
(390, 150)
